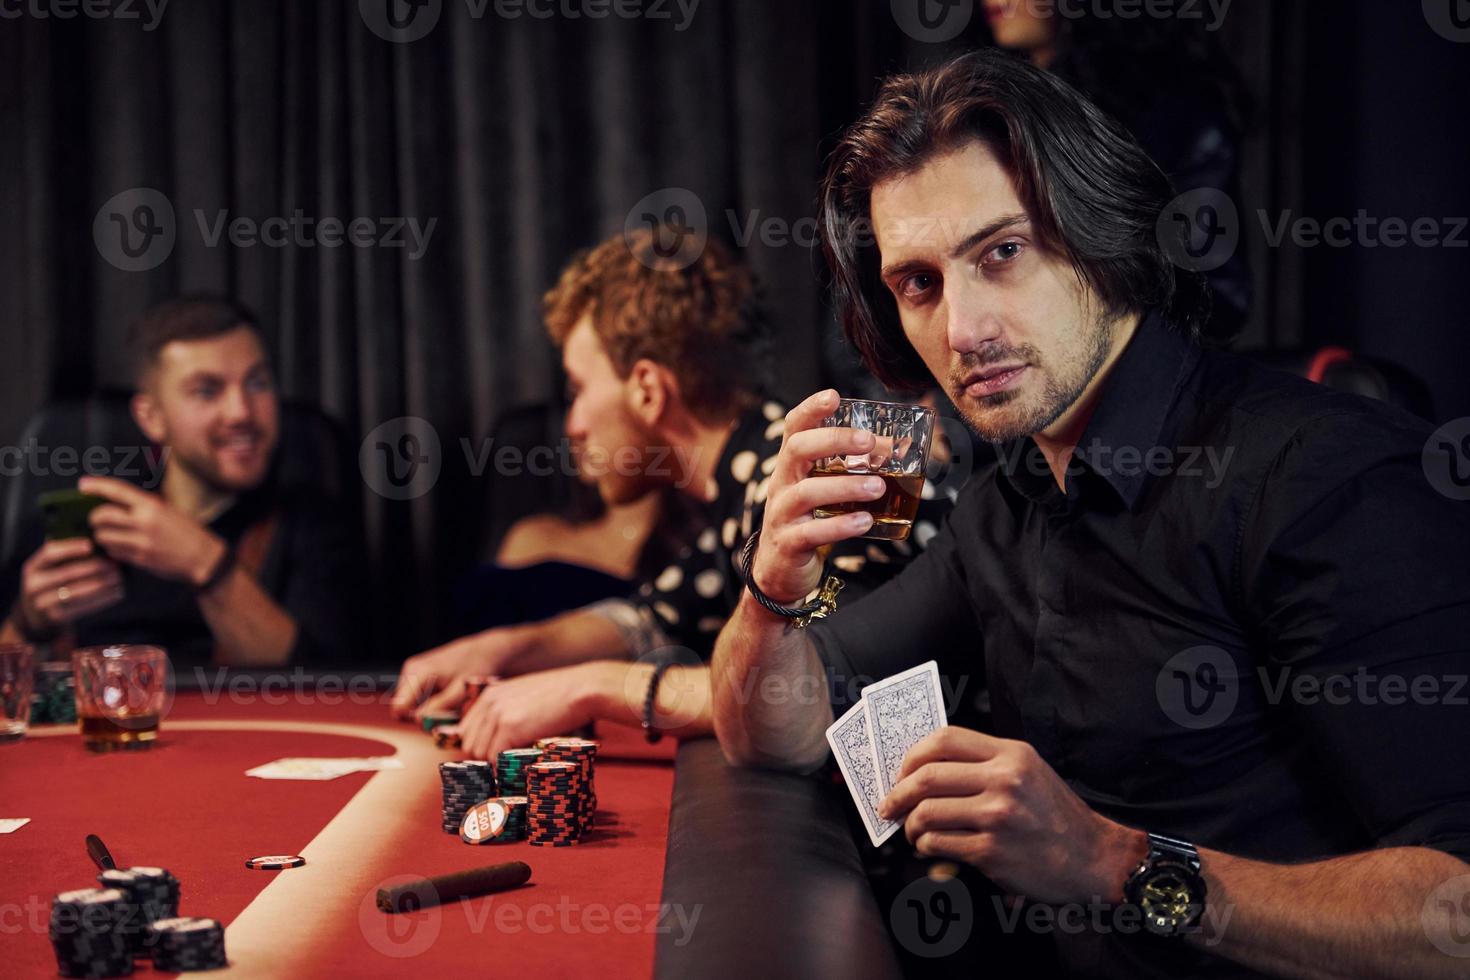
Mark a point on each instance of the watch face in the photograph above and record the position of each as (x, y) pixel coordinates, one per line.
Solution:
(1168, 899)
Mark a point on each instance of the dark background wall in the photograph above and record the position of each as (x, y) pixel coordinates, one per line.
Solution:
(524, 139)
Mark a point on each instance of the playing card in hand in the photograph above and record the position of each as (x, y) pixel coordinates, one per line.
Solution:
(853, 750)
(901, 711)
(872, 738)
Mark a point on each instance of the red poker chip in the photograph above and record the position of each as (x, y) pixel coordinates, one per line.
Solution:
(275, 862)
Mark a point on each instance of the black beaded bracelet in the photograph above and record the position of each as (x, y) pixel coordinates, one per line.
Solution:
(747, 557)
(649, 732)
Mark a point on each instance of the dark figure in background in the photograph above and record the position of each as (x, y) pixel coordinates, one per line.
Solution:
(1169, 82)
(219, 565)
(560, 558)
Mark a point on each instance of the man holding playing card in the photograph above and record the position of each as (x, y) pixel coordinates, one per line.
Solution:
(1198, 673)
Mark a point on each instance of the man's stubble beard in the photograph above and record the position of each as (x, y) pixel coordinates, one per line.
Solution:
(1058, 394)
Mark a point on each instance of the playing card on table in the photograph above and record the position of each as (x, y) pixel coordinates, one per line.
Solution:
(9, 825)
(902, 710)
(853, 750)
(322, 768)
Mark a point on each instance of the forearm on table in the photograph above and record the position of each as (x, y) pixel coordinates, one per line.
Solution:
(250, 629)
(682, 705)
(571, 638)
(1358, 915)
(771, 704)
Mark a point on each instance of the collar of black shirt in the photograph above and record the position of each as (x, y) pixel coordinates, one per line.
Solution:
(1132, 409)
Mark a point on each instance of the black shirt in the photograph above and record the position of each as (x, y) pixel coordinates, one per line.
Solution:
(1224, 651)
(312, 568)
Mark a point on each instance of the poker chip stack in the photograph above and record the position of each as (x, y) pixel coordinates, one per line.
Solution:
(152, 893)
(510, 770)
(54, 698)
(431, 722)
(87, 934)
(582, 751)
(465, 784)
(556, 803)
(188, 943)
(447, 737)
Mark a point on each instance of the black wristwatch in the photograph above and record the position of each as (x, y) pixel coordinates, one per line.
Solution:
(1167, 887)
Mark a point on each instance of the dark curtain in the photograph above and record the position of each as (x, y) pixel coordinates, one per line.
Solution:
(520, 139)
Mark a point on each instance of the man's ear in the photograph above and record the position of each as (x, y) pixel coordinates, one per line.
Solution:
(149, 417)
(650, 387)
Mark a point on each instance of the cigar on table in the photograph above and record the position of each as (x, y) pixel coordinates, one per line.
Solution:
(425, 892)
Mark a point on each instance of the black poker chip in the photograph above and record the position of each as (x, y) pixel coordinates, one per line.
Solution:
(465, 783)
(188, 943)
(153, 894)
(275, 862)
(87, 932)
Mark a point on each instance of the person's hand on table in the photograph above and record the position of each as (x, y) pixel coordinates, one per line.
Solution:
(432, 682)
(144, 530)
(515, 712)
(995, 804)
(793, 543)
(62, 582)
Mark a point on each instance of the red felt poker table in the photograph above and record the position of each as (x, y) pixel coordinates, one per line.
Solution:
(694, 869)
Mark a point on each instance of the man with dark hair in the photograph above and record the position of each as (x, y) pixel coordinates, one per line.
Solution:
(217, 566)
(663, 353)
(1166, 641)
